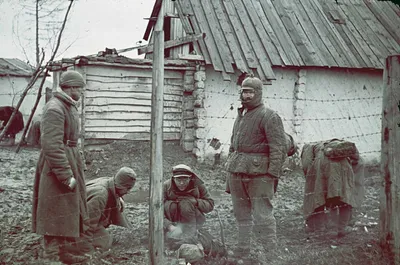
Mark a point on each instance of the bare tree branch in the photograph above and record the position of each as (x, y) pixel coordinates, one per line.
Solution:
(36, 74)
(39, 95)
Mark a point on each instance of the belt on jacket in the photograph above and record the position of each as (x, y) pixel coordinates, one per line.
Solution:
(71, 143)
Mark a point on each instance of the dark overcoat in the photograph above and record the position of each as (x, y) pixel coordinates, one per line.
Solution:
(58, 211)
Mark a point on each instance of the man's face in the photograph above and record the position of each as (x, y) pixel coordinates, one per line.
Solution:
(182, 182)
(121, 191)
(74, 92)
(247, 94)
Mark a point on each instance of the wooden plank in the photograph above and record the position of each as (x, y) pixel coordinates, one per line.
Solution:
(130, 123)
(262, 34)
(133, 108)
(261, 54)
(217, 33)
(127, 74)
(176, 32)
(379, 50)
(128, 115)
(381, 33)
(201, 19)
(309, 29)
(93, 95)
(390, 191)
(187, 11)
(347, 35)
(267, 27)
(349, 60)
(227, 30)
(191, 57)
(392, 15)
(187, 27)
(385, 21)
(173, 43)
(143, 136)
(373, 61)
(204, 43)
(130, 90)
(323, 33)
(244, 44)
(134, 82)
(395, 7)
(102, 102)
(128, 129)
(306, 51)
(351, 37)
(280, 31)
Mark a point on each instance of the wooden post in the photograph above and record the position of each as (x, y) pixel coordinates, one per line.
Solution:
(82, 71)
(49, 94)
(156, 210)
(390, 158)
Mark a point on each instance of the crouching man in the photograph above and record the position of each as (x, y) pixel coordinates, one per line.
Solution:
(105, 205)
(186, 200)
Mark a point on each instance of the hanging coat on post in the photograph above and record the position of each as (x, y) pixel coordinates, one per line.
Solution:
(58, 211)
(327, 177)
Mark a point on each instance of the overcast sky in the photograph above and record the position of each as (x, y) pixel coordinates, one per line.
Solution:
(93, 25)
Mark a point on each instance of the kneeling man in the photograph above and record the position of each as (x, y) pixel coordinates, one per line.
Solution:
(105, 205)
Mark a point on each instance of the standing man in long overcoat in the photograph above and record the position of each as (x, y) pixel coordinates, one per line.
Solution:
(59, 209)
(257, 152)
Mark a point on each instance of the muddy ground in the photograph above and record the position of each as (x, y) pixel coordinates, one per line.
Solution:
(19, 246)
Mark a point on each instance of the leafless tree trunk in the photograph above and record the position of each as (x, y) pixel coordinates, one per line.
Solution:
(37, 33)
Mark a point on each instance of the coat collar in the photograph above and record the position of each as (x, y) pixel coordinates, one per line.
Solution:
(60, 94)
(241, 109)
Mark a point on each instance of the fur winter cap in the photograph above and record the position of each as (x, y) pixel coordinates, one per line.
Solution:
(125, 178)
(71, 78)
(253, 82)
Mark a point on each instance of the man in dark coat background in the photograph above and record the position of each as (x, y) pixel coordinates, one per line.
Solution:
(106, 206)
(186, 200)
(257, 152)
(59, 211)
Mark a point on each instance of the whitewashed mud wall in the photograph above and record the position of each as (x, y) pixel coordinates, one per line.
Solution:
(118, 103)
(11, 89)
(345, 104)
(314, 104)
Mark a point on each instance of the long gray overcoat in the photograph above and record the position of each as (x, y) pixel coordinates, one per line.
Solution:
(56, 210)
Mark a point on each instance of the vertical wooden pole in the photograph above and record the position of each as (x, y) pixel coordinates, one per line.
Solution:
(49, 94)
(390, 158)
(156, 207)
(82, 70)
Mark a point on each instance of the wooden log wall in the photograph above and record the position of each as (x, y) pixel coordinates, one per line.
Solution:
(118, 103)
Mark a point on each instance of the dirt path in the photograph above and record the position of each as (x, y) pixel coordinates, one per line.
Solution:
(19, 246)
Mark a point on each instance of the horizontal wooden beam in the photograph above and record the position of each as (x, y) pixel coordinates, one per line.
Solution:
(191, 57)
(170, 15)
(173, 43)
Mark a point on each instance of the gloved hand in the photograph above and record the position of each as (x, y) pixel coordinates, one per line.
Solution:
(174, 231)
(70, 183)
(192, 199)
(121, 204)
